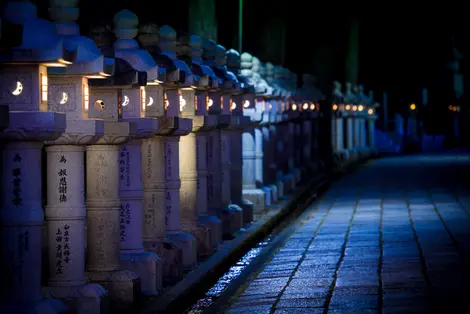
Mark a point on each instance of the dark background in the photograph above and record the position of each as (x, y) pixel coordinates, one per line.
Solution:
(403, 47)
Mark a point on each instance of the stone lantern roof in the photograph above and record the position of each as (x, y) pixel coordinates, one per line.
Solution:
(87, 57)
(40, 42)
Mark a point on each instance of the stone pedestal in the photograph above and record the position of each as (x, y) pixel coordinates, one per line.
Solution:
(103, 223)
(236, 151)
(207, 217)
(185, 241)
(250, 191)
(153, 161)
(269, 134)
(259, 167)
(188, 159)
(232, 215)
(371, 133)
(147, 265)
(66, 213)
(21, 218)
(289, 177)
(350, 137)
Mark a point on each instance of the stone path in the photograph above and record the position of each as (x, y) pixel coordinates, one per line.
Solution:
(393, 237)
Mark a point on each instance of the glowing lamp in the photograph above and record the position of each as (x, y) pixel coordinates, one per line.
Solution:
(182, 102)
(233, 106)
(305, 106)
(413, 107)
(360, 108)
(335, 107)
(86, 97)
(348, 107)
(44, 87)
(143, 97)
(450, 107)
(209, 102)
(294, 107)
(354, 108)
(312, 107)
(18, 90)
(246, 104)
(165, 101)
(370, 111)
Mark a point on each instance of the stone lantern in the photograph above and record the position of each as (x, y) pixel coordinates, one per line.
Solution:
(350, 103)
(68, 92)
(24, 81)
(219, 160)
(250, 69)
(337, 122)
(107, 100)
(195, 217)
(178, 77)
(239, 101)
(371, 119)
(136, 102)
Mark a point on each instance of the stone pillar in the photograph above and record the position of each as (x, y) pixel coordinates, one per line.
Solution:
(172, 203)
(207, 217)
(260, 152)
(371, 130)
(155, 240)
(103, 227)
(350, 134)
(133, 256)
(66, 228)
(21, 230)
(250, 191)
(272, 155)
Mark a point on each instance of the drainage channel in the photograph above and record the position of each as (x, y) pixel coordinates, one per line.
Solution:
(252, 262)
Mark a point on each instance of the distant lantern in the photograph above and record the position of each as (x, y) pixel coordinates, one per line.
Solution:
(312, 107)
(354, 108)
(348, 107)
(305, 106)
(294, 107)
(413, 107)
(360, 108)
(335, 107)
(370, 111)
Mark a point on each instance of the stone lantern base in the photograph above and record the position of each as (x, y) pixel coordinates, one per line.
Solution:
(203, 238)
(214, 225)
(257, 197)
(148, 266)
(232, 220)
(172, 259)
(83, 299)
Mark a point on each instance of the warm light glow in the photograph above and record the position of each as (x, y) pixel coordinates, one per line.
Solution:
(305, 106)
(270, 106)
(370, 111)
(354, 108)
(165, 101)
(182, 103)
(64, 99)
(221, 102)
(195, 102)
(312, 106)
(18, 90)
(294, 107)
(150, 101)
(233, 106)
(44, 87)
(143, 97)
(210, 102)
(348, 107)
(283, 107)
(360, 108)
(126, 101)
(335, 107)
(246, 104)
(412, 106)
(86, 97)
(450, 107)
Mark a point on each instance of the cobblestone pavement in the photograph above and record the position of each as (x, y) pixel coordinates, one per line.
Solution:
(393, 237)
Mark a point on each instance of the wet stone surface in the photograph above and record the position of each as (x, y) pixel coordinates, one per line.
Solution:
(393, 237)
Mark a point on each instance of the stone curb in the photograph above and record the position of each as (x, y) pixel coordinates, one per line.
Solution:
(233, 250)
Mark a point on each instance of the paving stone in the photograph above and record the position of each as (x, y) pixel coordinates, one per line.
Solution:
(299, 311)
(300, 303)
